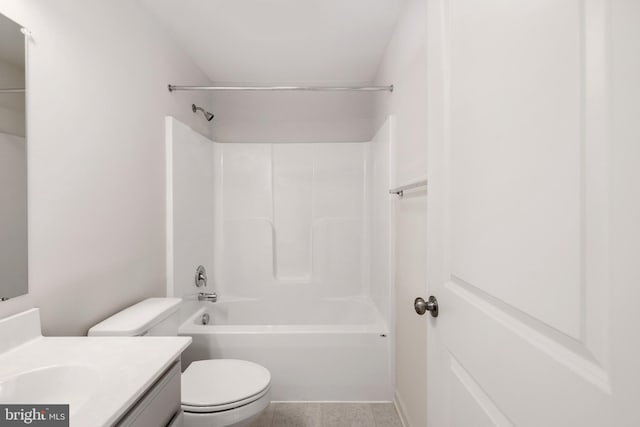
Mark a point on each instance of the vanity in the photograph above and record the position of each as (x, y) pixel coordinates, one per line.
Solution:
(106, 381)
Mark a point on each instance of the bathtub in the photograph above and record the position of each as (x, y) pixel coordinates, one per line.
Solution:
(316, 350)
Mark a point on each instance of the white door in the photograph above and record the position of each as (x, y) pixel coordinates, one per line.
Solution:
(533, 212)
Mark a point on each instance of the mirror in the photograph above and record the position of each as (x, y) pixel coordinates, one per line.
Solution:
(13, 161)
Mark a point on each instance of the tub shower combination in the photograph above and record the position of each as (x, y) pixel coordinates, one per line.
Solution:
(296, 241)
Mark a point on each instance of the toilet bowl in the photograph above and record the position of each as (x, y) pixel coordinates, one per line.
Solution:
(238, 403)
(215, 392)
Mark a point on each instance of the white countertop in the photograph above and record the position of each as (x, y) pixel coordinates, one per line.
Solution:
(118, 371)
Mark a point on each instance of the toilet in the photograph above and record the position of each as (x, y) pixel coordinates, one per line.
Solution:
(215, 392)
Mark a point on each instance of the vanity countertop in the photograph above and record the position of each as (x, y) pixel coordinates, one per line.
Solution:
(99, 377)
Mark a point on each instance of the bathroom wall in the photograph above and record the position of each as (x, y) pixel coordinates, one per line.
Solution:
(279, 117)
(97, 76)
(404, 65)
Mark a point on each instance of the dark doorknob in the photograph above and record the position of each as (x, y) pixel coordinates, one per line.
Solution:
(421, 306)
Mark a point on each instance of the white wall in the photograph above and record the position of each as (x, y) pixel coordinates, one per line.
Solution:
(292, 117)
(98, 72)
(404, 65)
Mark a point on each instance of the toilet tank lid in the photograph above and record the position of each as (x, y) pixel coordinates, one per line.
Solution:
(137, 319)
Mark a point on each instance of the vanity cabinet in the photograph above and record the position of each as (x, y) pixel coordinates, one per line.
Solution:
(159, 405)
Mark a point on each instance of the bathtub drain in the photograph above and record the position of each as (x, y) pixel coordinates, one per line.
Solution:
(205, 319)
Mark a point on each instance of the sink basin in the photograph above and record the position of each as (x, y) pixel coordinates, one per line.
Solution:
(63, 384)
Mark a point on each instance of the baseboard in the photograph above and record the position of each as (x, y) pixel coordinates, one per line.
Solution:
(400, 409)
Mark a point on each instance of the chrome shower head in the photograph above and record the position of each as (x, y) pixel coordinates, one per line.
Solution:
(207, 115)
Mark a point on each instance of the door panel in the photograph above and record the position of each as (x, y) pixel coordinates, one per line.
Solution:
(466, 393)
(516, 154)
(518, 213)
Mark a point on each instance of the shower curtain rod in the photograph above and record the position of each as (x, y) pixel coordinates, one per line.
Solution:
(17, 90)
(285, 88)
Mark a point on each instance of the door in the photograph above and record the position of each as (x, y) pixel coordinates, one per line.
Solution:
(533, 212)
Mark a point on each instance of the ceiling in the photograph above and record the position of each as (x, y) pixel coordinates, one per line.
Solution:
(281, 41)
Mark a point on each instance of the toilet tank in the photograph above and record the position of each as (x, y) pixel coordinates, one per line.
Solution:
(153, 316)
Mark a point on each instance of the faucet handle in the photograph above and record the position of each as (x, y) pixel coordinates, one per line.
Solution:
(201, 276)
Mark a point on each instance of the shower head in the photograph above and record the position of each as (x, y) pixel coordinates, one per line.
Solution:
(207, 115)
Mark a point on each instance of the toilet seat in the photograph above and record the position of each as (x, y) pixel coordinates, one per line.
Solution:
(222, 384)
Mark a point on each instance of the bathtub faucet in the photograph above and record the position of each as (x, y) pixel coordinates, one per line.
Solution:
(211, 297)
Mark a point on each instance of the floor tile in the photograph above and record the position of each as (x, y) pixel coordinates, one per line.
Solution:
(347, 415)
(385, 415)
(296, 415)
(312, 414)
(265, 419)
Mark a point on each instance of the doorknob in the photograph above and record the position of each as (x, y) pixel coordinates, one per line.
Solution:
(423, 306)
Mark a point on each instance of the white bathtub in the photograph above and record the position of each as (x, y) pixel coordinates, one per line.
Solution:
(322, 349)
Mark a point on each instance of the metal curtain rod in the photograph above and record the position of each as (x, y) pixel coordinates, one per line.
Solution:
(16, 90)
(400, 190)
(285, 88)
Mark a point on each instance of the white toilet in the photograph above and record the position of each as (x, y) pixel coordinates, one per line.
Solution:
(216, 392)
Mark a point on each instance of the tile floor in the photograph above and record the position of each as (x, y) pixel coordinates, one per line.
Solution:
(312, 414)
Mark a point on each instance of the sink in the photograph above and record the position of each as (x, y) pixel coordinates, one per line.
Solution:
(63, 384)
(101, 378)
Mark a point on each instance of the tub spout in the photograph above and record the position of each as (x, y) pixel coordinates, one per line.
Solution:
(211, 297)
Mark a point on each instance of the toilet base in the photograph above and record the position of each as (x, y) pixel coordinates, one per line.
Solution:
(237, 417)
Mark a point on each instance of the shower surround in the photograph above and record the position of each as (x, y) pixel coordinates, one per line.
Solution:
(281, 227)
(291, 219)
